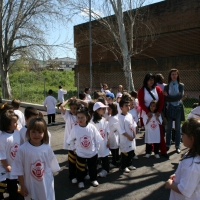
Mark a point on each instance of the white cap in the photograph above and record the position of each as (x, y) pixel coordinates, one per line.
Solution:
(98, 105)
(119, 95)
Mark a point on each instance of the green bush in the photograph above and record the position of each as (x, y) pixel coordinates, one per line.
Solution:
(33, 87)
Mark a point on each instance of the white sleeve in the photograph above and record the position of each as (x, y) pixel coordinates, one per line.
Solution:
(160, 119)
(2, 149)
(64, 91)
(97, 137)
(188, 182)
(54, 163)
(66, 115)
(71, 138)
(45, 102)
(107, 127)
(17, 165)
(145, 118)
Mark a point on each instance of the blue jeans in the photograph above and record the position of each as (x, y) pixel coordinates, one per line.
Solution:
(177, 130)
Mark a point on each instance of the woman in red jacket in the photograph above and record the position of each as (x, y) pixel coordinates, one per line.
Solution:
(146, 94)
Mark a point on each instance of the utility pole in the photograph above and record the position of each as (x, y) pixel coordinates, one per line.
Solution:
(90, 41)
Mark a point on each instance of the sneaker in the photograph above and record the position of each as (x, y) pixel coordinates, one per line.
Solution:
(81, 185)
(74, 180)
(156, 156)
(178, 150)
(95, 183)
(103, 173)
(87, 177)
(49, 124)
(135, 157)
(147, 155)
(126, 170)
(131, 167)
(111, 165)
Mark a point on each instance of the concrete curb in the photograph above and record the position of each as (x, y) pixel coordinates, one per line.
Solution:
(25, 104)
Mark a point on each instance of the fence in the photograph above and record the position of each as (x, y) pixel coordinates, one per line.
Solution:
(190, 78)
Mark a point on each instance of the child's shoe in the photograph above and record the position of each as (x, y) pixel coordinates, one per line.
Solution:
(103, 173)
(95, 183)
(87, 177)
(157, 156)
(135, 157)
(74, 180)
(147, 155)
(126, 170)
(81, 185)
(131, 167)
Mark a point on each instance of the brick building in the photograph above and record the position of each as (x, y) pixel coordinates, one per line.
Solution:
(177, 46)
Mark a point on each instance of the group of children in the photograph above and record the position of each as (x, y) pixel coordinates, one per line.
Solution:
(25, 154)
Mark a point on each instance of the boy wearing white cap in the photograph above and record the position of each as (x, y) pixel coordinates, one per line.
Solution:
(102, 126)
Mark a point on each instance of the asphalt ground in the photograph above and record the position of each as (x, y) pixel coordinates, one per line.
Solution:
(144, 183)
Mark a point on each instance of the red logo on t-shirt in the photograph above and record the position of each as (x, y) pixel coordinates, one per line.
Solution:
(131, 127)
(13, 150)
(37, 170)
(102, 133)
(86, 141)
(153, 124)
(74, 124)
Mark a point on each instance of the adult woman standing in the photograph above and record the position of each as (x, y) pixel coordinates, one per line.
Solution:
(173, 93)
(146, 94)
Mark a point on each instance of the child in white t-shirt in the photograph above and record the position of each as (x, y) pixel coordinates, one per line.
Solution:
(9, 143)
(29, 113)
(21, 120)
(70, 121)
(185, 183)
(49, 105)
(119, 90)
(127, 136)
(87, 139)
(114, 127)
(152, 130)
(102, 126)
(35, 162)
(88, 91)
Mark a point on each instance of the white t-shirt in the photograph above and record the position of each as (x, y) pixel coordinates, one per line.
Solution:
(127, 125)
(195, 113)
(23, 138)
(102, 127)
(9, 144)
(152, 129)
(115, 131)
(61, 93)
(188, 179)
(118, 108)
(87, 140)
(134, 114)
(89, 98)
(21, 120)
(70, 122)
(148, 98)
(50, 102)
(36, 164)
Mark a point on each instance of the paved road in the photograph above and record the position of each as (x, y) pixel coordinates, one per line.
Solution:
(144, 183)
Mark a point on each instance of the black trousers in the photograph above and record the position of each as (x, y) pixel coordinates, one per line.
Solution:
(115, 156)
(72, 164)
(51, 118)
(127, 159)
(81, 168)
(149, 148)
(12, 189)
(105, 163)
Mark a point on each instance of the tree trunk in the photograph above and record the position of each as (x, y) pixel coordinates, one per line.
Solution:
(128, 73)
(5, 85)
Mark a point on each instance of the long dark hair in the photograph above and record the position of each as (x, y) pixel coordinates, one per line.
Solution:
(169, 75)
(191, 128)
(146, 79)
(96, 116)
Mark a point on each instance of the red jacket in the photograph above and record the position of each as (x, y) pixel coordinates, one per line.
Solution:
(160, 100)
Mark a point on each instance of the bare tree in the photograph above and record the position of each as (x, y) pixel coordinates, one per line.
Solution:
(23, 27)
(130, 30)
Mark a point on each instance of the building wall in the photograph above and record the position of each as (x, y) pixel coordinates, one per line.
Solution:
(177, 46)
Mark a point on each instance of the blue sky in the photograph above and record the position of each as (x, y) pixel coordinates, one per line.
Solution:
(61, 35)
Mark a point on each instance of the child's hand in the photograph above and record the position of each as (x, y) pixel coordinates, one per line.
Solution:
(172, 177)
(24, 191)
(168, 184)
(8, 168)
(130, 138)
